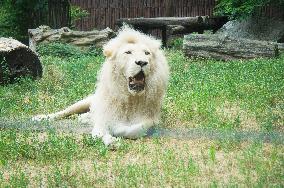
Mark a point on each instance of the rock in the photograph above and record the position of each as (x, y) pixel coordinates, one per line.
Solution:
(255, 28)
(228, 48)
(17, 60)
(44, 34)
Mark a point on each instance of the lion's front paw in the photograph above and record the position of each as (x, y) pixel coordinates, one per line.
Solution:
(109, 140)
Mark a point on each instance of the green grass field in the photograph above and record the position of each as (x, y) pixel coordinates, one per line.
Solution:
(236, 95)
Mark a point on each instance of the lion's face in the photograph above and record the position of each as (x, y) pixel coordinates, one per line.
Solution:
(135, 62)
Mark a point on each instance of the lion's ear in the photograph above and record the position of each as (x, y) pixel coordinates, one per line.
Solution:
(108, 48)
(107, 53)
(155, 45)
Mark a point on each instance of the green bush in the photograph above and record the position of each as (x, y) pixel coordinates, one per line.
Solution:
(77, 13)
(176, 43)
(66, 50)
(8, 26)
(17, 16)
(4, 70)
(240, 9)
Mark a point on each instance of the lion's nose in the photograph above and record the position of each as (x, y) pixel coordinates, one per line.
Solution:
(141, 63)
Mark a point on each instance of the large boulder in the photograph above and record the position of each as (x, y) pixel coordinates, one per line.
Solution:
(17, 60)
(44, 34)
(228, 48)
(255, 28)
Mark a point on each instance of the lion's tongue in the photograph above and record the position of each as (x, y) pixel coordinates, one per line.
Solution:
(138, 79)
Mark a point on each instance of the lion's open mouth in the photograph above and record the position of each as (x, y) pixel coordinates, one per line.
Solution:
(137, 82)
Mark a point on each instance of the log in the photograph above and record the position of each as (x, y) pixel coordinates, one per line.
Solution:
(175, 25)
(159, 22)
(17, 60)
(228, 48)
(44, 34)
(192, 23)
(208, 23)
(181, 30)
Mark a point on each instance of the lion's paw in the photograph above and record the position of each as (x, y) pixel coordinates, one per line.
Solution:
(114, 143)
(109, 140)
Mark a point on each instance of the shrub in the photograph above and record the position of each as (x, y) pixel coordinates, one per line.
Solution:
(17, 16)
(77, 13)
(239, 9)
(66, 50)
(176, 43)
(8, 26)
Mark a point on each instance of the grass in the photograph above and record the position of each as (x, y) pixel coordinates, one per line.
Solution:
(236, 95)
(79, 161)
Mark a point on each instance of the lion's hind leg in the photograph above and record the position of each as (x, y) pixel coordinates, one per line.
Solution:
(79, 107)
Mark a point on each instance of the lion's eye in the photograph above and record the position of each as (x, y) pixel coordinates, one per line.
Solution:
(128, 52)
(147, 53)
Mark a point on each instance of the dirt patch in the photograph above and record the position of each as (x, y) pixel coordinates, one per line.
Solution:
(234, 114)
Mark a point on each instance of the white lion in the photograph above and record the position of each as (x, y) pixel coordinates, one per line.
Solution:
(130, 89)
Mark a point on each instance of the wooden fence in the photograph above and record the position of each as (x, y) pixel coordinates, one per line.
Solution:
(54, 13)
(58, 13)
(104, 13)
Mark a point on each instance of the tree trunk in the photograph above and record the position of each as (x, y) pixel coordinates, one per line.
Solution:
(17, 60)
(175, 25)
(162, 21)
(190, 23)
(66, 35)
(227, 48)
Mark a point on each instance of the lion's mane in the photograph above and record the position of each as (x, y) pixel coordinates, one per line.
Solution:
(112, 101)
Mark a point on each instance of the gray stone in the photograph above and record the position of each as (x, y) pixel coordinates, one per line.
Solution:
(228, 48)
(44, 34)
(255, 28)
(17, 60)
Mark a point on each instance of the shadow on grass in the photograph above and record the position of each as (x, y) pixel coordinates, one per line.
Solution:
(73, 126)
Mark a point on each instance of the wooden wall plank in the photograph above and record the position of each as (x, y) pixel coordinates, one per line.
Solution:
(104, 13)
